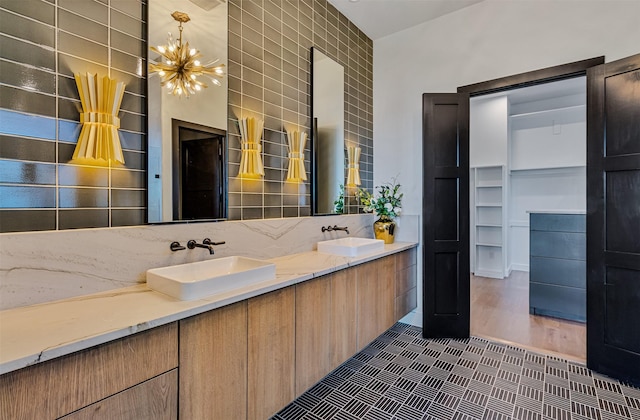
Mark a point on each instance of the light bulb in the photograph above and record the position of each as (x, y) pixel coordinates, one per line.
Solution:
(192, 51)
(161, 73)
(196, 62)
(216, 82)
(198, 87)
(193, 77)
(161, 48)
(169, 85)
(219, 70)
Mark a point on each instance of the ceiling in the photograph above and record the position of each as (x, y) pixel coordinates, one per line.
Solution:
(379, 18)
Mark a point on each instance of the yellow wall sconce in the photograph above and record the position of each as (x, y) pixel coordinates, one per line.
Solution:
(297, 142)
(99, 141)
(250, 158)
(353, 168)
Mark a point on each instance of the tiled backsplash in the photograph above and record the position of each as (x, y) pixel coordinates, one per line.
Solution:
(42, 43)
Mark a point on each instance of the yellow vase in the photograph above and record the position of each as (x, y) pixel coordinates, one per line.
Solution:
(384, 228)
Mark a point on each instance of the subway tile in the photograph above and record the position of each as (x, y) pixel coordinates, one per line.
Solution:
(128, 217)
(127, 24)
(132, 8)
(27, 101)
(23, 52)
(133, 83)
(88, 8)
(69, 109)
(121, 178)
(35, 9)
(252, 200)
(89, 50)
(15, 197)
(128, 198)
(83, 198)
(27, 78)
(27, 220)
(82, 218)
(128, 44)
(22, 28)
(272, 212)
(82, 176)
(17, 172)
(16, 123)
(290, 212)
(251, 213)
(135, 160)
(69, 65)
(82, 27)
(26, 149)
(133, 103)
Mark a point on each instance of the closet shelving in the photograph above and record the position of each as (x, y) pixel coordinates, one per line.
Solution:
(489, 228)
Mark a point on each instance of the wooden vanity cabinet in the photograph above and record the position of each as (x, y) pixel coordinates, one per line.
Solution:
(213, 364)
(406, 283)
(99, 379)
(271, 351)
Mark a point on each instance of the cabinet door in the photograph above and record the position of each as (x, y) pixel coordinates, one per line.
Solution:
(386, 268)
(367, 302)
(271, 369)
(313, 329)
(155, 399)
(343, 316)
(213, 364)
(57, 387)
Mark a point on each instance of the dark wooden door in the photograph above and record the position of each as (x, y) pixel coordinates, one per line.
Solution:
(202, 178)
(613, 218)
(445, 208)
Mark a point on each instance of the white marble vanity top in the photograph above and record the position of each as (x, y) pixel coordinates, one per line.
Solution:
(36, 333)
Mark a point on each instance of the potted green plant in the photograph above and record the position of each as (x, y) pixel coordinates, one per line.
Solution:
(386, 204)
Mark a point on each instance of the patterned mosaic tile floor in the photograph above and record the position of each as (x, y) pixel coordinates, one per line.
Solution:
(403, 376)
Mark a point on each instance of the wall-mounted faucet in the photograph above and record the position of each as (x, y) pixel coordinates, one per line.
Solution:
(175, 246)
(335, 227)
(206, 244)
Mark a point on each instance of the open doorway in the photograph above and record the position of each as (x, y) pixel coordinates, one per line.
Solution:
(527, 216)
(198, 171)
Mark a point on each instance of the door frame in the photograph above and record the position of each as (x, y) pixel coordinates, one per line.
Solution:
(531, 78)
(176, 169)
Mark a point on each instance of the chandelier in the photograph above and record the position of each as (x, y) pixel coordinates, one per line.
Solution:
(180, 67)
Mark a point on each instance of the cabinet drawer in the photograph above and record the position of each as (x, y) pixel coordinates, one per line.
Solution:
(71, 382)
(558, 222)
(558, 301)
(565, 245)
(406, 258)
(155, 399)
(571, 273)
(406, 302)
(405, 279)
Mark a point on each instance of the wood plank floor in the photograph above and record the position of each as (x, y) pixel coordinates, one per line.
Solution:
(500, 310)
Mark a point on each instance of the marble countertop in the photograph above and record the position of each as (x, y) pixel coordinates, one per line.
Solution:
(34, 334)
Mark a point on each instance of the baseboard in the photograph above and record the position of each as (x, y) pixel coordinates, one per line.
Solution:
(494, 274)
(520, 267)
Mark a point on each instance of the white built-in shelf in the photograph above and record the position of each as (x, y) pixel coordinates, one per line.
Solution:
(490, 216)
(488, 244)
(551, 112)
(548, 169)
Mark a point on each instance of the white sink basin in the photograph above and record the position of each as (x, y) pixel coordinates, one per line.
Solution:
(351, 247)
(205, 278)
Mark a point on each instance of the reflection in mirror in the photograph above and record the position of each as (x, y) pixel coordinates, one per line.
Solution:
(201, 114)
(328, 131)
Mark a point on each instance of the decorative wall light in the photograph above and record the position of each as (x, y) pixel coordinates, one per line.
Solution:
(99, 141)
(353, 168)
(180, 65)
(250, 159)
(297, 142)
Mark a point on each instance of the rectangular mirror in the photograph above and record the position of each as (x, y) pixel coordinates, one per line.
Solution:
(174, 193)
(328, 132)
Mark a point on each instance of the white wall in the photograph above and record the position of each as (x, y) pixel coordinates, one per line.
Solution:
(491, 39)
(488, 131)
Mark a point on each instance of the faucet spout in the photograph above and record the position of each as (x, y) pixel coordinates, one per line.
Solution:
(335, 227)
(193, 244)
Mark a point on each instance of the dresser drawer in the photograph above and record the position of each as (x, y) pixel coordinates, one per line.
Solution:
(571, 273)
(567, 245)
(558, 301)
(558, 222)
